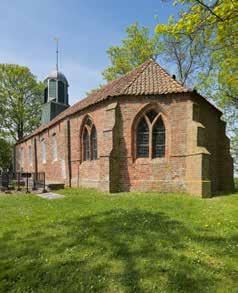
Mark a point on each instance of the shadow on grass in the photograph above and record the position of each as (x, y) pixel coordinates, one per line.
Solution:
(117, 250)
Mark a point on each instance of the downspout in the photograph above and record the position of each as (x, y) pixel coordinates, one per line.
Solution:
(68, 145)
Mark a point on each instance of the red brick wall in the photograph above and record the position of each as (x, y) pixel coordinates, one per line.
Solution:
(213, 138)
(117, 168)
(159, 174)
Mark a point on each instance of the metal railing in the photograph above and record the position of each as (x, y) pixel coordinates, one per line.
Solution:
(22, 181)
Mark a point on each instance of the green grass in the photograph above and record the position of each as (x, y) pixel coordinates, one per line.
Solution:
(138, 242)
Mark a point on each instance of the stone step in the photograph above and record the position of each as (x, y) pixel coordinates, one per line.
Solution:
(54, 186)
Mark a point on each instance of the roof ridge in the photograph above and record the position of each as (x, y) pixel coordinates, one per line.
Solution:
(146, 79)
(145, 64)
(167, 73)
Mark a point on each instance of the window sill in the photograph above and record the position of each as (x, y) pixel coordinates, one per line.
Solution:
(90, 161)
(145, 161)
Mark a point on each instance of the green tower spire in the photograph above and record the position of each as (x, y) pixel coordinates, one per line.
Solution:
(55, 94)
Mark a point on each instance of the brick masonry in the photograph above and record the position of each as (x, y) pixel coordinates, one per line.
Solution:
(197, 155)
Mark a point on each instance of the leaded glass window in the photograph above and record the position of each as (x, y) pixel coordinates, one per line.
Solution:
(142, 140)
(94, 143)
(21, 156)
(158, 142)
(52, 89)
(86, 145)
(54, 147)
(43, 151)
(89, 151)
(151, 115)
(89, 122)
(30, 154)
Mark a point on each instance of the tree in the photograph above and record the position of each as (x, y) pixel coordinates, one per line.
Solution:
(215, 24)
(136, 48)
(5, 154)
(20, 101)
(186, 52)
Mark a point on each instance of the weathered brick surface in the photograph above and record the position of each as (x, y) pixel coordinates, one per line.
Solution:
(197, 158)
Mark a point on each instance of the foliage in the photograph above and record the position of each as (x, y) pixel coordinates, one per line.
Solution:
(186, 52)
(231, 116)
(93, 91)
(136, 48)
(138, 242)
(20, 101)
(5, 154)
(215, 24)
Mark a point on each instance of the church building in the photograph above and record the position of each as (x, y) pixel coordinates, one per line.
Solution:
(141, 132)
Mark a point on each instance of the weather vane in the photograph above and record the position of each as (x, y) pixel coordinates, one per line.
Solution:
(57, 52)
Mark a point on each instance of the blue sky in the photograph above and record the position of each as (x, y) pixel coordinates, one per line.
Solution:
(85, 28)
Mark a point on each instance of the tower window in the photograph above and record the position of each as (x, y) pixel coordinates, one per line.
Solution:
(61, 92)
(52, 89)
(46, 95)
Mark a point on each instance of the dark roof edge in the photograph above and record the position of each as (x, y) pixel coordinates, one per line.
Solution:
(35, 133)
(193, 92)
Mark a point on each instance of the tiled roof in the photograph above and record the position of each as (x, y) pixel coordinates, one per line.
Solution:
(147, 79)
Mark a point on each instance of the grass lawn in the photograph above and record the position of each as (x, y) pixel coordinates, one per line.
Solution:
(138, 242)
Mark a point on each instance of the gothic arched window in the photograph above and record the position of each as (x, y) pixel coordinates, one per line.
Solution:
(54, 147)
(158, 141)
(89, 138)
(142, 139)
(94, 143)
(86, 146)
(150, 136)
(43, 151)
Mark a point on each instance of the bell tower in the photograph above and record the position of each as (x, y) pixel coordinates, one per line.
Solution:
(56, 97)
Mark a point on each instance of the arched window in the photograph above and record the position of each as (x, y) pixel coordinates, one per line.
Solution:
(89, 138)
(21, 156)
(150, 136)
(158, 142)
(142, 139)
(43, 151)
(94, 143)
(86, 145)
(54, 147)
(30, 155)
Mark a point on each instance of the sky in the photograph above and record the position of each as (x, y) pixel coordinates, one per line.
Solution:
(86, 30)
